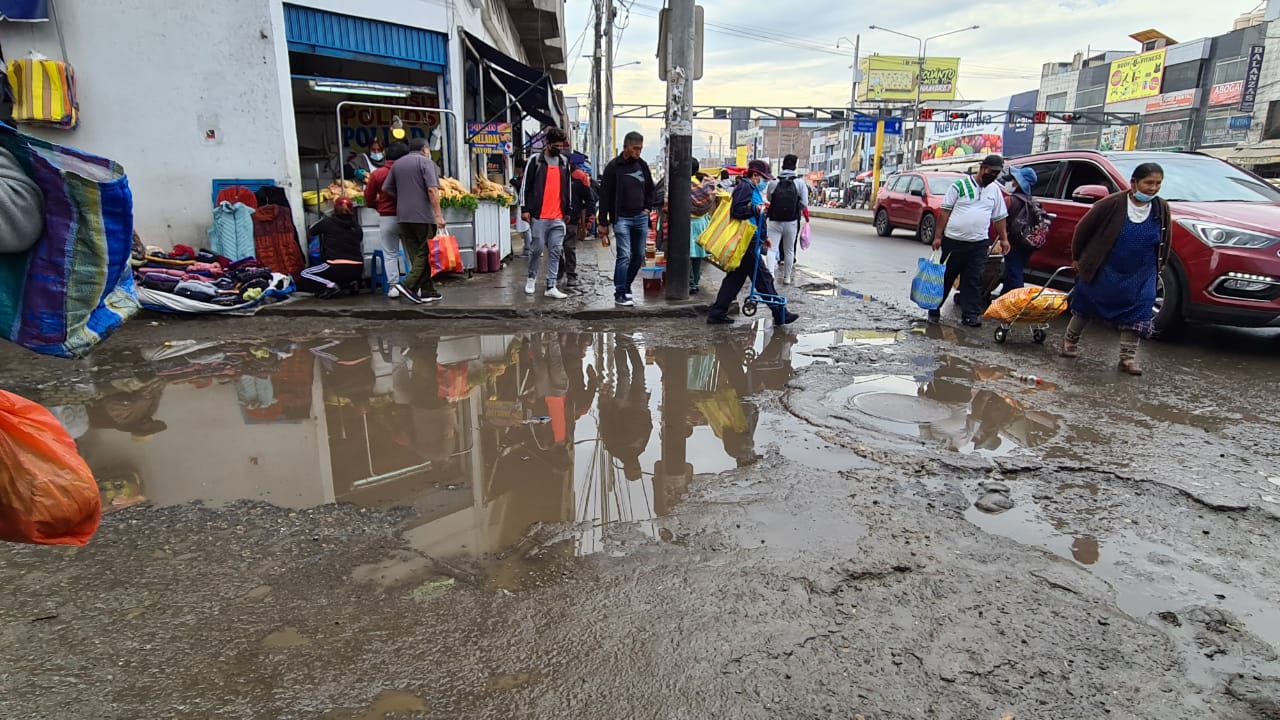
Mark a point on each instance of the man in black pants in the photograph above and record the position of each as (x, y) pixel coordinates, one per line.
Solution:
(969, 210)
(745, 207)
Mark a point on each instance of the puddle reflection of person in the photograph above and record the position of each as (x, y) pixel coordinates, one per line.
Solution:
(129, 406)
(435, 423)
(625, 419)
(733, 415)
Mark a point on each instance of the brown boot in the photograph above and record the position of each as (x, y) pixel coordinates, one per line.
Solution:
(1130, 366)
(1070, 347)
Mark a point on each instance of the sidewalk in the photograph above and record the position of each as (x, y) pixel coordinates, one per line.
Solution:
(500, 295)
(858, 216)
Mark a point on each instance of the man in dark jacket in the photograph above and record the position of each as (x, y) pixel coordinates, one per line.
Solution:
(748, 204)
(544, 204)
(582, 205)
(627, 195)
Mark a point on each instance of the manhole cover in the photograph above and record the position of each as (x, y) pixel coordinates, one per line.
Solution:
(901, 408)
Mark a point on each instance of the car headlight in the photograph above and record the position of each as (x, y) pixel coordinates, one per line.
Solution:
(1217, 236)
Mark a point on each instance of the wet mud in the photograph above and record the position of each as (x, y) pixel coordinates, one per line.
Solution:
(875, 518)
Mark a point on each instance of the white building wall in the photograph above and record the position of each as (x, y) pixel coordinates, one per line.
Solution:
(1054, 137)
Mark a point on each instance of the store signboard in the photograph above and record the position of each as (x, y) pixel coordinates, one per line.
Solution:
(1171, 101)
(1252, 79)
(967, 131)
(362, 125)
(489, 138)
(893, 77)
(1164, 135)
(1226, 93)
(1112, 138)
(1136, 76)
(1240, 122)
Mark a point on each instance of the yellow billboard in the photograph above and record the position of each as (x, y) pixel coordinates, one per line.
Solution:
(893, 77)
(1136, 77)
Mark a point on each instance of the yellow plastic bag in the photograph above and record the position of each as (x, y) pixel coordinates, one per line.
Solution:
(726, 240)
(1036, 305)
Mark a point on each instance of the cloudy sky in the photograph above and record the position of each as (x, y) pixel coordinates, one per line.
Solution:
(802, 66)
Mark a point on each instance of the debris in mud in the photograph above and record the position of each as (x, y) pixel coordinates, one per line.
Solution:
(432, 589)
(995, 499)
(1258, 692)
(285, 637)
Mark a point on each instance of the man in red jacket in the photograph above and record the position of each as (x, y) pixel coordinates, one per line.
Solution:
(388, 226)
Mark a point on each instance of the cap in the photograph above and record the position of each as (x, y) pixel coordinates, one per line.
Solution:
(993, 161)
(760, 167)
(344, 205)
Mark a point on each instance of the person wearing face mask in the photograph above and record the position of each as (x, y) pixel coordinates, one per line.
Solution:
(1118, 252)
(544, 204)
(969, 210)
(748, 204)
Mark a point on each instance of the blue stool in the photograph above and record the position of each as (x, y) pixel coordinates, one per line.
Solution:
(378, 279)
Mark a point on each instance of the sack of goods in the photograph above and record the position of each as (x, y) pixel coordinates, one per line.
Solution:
(927, 288)
(1030, 304)
(726, 240)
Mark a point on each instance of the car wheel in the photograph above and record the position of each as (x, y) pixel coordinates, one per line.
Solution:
(1168, 308)
(927, 227)
(883, 228)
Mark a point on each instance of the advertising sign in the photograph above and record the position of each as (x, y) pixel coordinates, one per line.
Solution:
(893, 77)
(1226, 93)
(1252, 79)
(981, 134)
(1171, 101)
(491, 138)
(1167, 135)
(1136, 76)
(362, 125)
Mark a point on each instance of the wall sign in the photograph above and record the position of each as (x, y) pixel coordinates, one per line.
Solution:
(1252, 78)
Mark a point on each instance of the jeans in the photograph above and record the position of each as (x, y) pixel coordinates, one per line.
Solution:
(1015, 262)
(786, 234)
(630, 235)
(549, 235)
(415, 237)
(967, 261)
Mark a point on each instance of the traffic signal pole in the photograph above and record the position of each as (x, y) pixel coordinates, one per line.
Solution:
(680, 70)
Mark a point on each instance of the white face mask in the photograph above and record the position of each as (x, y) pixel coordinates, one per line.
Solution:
(376, 157)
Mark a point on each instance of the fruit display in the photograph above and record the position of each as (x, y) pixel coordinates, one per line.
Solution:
(493, 192)
(980, 144)
(453, 194)
(346, 188)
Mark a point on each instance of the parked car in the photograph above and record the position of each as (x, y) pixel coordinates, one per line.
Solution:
(1224, 266)
(912, 201)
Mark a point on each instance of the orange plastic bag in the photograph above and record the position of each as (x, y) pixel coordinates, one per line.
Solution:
(444, 255)
(47, 492)
(1030, 304)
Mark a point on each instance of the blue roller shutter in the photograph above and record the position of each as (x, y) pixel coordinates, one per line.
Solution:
(352, 38)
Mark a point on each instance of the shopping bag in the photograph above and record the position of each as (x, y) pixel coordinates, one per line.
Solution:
(1030, 304)
(44, 92)
(48, 495)
(726, 240)
(927, 289)
(444, 254)
(75, 285)
(805, 239)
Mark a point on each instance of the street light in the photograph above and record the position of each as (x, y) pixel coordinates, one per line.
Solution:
(845, 170)
(633, 62)
(923, 43)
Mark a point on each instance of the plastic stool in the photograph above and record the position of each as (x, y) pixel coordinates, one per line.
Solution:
(378, 279)
(653, 278)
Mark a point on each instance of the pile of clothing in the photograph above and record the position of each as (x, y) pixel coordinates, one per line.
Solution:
(202, 276)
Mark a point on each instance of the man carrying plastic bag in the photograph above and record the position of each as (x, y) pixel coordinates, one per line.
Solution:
(928, 289)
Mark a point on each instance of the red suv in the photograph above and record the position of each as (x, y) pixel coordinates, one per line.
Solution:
(912, 201)
(1224, 267)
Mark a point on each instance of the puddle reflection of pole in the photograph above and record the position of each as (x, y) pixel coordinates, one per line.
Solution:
(670, 474)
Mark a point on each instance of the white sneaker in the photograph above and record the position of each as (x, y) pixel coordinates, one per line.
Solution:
(555, 293)
(530, 286)
(393, 293)
(624, 302)
(630, 297)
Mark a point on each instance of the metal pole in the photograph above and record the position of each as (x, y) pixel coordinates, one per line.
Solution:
(845, 172)
(680, 144)
(875, 164)
(915, 119)
(606, 129)
(597, 97)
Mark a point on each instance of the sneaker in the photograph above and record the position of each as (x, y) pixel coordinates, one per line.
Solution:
(629, 296)
(624, 301)
(393, 293)
(530, 286)
(406, 294)
(719, 320)
(430, 297)
(972, 322)
(693, 290)
(554, 292)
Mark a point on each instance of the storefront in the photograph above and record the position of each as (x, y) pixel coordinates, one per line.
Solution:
(1168, 131)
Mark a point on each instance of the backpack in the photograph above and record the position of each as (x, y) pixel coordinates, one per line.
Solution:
(1030, 226)
(784, 204)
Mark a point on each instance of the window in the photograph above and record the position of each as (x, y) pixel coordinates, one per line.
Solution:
(1198, 178)
(1048, 178)
(1166, 135)
(1271, 131)
(899, 184)
(940, 184)
(916, 184)
(1056, 102)
(1081, 173)
(1229, 71)
(1183, 76)
(1218, 130)
(1091, 98)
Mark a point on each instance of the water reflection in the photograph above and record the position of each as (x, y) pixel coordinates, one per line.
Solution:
(484, 436)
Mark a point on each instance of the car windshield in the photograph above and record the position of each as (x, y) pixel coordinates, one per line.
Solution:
(938, 184)
(1196, 178)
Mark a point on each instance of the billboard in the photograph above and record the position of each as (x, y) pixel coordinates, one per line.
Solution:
(893, 77)
(983, 133)
(1136, 77)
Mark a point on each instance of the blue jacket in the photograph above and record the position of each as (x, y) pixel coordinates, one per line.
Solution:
(231, 234)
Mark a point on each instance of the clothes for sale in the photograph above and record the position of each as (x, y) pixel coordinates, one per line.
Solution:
(239, 194)
(276, 240)
(232, 233)
(272, 195)
(196, 290)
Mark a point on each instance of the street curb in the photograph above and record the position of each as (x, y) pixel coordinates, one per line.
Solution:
(480, 313)
(825, 215)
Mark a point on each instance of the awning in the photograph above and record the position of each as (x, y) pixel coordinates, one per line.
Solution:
(531, 90)
(1263, 153)
(24, 10)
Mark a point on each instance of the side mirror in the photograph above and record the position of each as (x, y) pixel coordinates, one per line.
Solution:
(1090, 194)
(918, 193)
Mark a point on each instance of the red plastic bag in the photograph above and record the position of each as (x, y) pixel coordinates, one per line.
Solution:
(444, 255)
(48, 495)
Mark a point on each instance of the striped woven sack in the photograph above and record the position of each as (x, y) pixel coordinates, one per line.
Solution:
(444, 255)
(726, 240)
(44, 92)
(75, 285)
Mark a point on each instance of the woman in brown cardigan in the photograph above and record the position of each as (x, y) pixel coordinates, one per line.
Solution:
(1119, 251)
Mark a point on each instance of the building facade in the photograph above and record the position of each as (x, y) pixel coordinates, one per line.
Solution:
(184, 95)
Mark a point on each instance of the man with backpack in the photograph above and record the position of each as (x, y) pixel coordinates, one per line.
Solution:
(787, 195)
(1028, 225)
(582, 205)
(545, 205)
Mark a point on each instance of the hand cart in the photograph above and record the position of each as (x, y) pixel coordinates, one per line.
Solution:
(1037, 311)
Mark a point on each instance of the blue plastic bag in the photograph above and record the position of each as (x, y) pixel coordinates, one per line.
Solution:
(928, 288)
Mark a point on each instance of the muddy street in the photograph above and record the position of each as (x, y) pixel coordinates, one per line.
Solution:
(861, 516)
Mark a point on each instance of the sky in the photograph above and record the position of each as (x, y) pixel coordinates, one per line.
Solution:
(1002, 57)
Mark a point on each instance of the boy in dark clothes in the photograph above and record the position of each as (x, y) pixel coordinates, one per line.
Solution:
(341, 253)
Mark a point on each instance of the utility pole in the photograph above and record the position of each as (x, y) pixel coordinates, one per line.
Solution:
(606, 128)
(853, 103)
(680, 69)
(597, 97)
